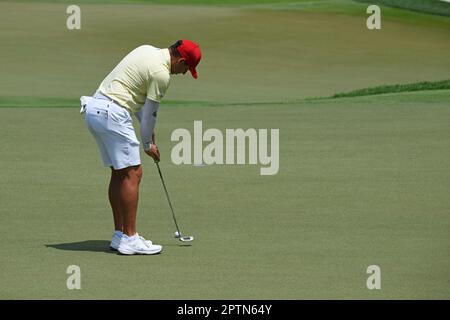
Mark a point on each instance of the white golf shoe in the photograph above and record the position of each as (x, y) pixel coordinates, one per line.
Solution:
(115, 242)
(135, 245)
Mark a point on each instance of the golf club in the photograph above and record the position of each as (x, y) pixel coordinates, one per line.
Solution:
(177, 233)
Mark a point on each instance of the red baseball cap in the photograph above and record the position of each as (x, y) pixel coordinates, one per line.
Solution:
(191, 52)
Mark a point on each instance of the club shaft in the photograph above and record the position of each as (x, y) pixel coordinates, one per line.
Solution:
(168, 198)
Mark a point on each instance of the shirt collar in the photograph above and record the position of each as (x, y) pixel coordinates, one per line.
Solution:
(166, 57)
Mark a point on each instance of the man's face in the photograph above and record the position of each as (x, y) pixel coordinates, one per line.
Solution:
(180, 66)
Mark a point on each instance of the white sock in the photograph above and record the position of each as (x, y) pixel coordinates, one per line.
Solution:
(118, 233)
(131, 238)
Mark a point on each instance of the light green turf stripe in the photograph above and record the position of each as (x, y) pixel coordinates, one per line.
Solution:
(435, 7)
(31, 102)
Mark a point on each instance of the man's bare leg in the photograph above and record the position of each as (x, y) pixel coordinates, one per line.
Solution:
(114, 199)
(124, 196)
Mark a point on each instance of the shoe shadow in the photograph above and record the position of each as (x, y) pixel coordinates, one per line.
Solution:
(88, 245)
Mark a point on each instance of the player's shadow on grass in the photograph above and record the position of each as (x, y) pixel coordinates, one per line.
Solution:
(88, 245)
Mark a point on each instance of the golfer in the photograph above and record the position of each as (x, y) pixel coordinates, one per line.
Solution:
(134, 87)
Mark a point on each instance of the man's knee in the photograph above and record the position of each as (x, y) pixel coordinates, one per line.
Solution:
(133, 172)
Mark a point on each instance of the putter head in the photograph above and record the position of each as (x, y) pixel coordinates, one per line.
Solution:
(186, 238)
(179, 236)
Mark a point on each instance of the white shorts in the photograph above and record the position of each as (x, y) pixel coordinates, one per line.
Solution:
(112, 127)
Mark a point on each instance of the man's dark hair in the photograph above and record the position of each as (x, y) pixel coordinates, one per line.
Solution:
(174, 48)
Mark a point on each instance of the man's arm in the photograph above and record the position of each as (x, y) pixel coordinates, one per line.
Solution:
(147, 118)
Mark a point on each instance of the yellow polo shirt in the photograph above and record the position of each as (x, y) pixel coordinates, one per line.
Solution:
(143, 73)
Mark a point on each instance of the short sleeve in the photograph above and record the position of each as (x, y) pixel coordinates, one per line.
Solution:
(158, 86)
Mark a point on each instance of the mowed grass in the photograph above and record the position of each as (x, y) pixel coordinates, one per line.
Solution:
(362, 181)
(409, 87)
(249, 54)
(437, 7)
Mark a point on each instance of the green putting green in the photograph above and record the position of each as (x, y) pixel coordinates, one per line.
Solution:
(251, 54)
(362, 180)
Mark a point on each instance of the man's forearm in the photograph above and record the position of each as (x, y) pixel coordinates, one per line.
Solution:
(147, 117)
